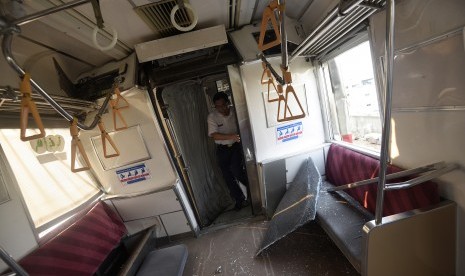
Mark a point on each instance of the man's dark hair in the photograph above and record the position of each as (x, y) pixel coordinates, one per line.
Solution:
(220, 95)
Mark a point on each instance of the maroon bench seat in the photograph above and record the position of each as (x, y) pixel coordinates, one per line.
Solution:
(81, 248)
(98, 244)
(343, 214)
(344, 166)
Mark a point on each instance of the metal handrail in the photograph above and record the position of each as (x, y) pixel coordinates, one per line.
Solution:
(284, 55)
(32, 17)
(422, 169)
(423, 178)
(12, 263)
(8, 28)
(342, 27)
(6, 48)
(385, 138)
(12, 97)
(336, 14)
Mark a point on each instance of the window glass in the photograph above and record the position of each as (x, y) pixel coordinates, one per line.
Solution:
(42, 170)
(352, 98)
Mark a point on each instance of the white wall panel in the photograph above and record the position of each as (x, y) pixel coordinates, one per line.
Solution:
(421, 138)
(162, 174)
(266, 146)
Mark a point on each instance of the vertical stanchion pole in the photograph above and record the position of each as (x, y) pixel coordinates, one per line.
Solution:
(385, 142)
(12, 264)
(285, 59)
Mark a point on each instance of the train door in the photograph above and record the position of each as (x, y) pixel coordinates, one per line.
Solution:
(185, 107)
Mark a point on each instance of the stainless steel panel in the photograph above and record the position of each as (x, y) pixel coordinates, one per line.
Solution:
(181, 195)
(274, 184)
(245, 131)
(417, 242)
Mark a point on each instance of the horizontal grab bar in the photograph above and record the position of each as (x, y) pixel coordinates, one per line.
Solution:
(422, 169)
(420, 179)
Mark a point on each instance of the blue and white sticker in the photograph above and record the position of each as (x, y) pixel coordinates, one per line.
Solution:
(289, 132)
(133, 174)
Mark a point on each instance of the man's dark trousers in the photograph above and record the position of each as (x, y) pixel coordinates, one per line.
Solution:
(232, 166)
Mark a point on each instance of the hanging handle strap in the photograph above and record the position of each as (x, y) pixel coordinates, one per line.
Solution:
(268, 15)
(290, 91)
(106, 137)
(28, 106)
(120, 101)
(281, 102)
(116, 112)
(116, 104)
(270, 82)
(76, 145)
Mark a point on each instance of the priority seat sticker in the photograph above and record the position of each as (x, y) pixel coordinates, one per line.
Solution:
(289, 132)
(133, 174)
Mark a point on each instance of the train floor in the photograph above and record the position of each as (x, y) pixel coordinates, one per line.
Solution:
(231, 251)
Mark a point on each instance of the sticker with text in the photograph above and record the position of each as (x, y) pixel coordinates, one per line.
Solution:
(289, 132)
(133, 174)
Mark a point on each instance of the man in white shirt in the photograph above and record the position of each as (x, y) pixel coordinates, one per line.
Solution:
(222, 127)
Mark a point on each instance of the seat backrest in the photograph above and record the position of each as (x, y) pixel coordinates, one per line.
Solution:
(80, 248)
(344, 166)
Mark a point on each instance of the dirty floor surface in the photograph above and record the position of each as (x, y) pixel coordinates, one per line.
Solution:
(231, 251)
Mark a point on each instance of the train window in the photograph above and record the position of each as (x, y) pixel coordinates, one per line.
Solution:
(42, 170)
(352, 98)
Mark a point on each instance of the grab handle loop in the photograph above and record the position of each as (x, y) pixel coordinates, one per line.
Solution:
(111, 45)
(290, 91)
(270, 82)
(173, 17)
(116, 104)
(28, 106)
(76, 145)
(106, 137)
(281, 102)
(287, 77)
(269, 15)
(116, 112)
(119, 98)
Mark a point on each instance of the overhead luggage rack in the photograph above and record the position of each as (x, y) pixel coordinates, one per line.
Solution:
(10, 102)
(343, 19)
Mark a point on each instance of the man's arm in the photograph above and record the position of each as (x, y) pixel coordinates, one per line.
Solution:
(213, 131)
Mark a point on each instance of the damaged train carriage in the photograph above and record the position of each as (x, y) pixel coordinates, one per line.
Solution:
(344, 120)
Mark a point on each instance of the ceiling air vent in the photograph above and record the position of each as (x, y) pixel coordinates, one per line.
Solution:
(157, 16)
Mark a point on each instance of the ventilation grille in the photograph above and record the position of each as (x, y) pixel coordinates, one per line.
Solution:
(157, 16)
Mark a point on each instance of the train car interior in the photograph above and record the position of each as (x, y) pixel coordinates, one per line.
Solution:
(232, 137)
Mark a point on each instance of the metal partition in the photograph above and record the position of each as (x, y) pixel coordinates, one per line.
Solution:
(248, 148)
(277, 173)
(417, 242)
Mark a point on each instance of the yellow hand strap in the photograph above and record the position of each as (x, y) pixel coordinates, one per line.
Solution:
(290, 91)
(106, 137)
(116, 104)
(268, 15)
(28, 106)
(76, 145)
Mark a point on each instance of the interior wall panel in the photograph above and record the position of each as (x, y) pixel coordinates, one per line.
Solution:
(265, 137)
(427, 76)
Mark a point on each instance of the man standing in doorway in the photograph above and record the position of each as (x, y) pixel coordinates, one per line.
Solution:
(222, 127)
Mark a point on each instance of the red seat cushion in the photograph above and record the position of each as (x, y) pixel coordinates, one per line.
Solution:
(81, 248)
(344, 166)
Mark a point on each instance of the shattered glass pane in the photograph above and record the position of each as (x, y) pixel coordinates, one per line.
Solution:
(297, 207)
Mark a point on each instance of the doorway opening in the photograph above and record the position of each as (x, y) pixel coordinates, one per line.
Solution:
(184, 107)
